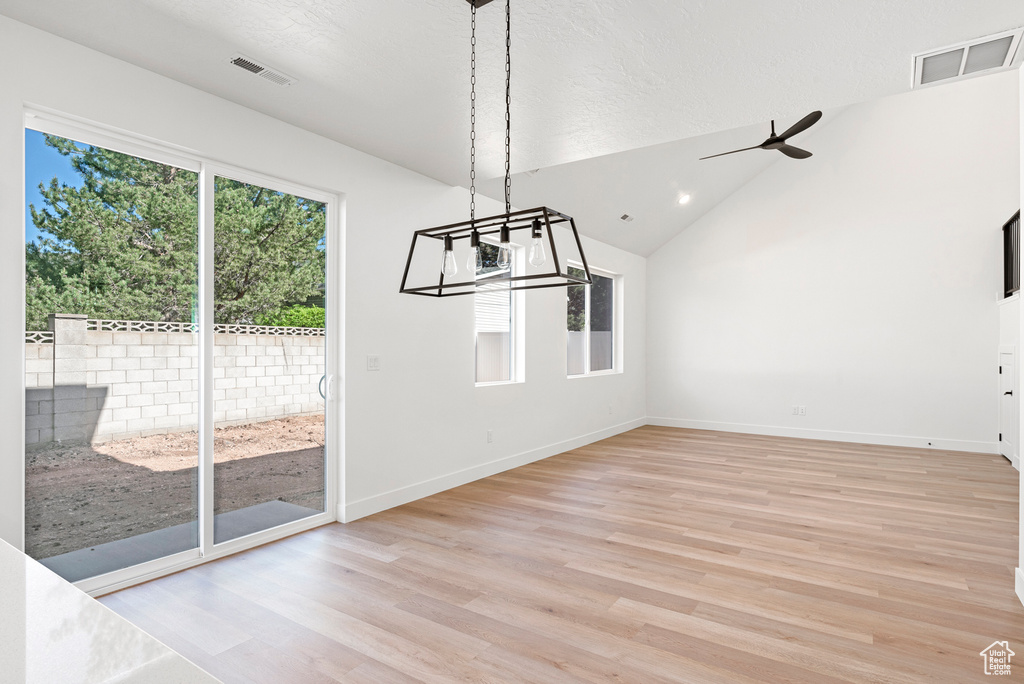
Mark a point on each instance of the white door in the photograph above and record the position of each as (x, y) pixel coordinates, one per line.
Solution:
(1007, 406)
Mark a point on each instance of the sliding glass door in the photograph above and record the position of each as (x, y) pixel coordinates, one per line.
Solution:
(177, 374)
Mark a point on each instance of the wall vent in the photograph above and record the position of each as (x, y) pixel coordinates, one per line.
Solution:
(261, 70)
(997, 51)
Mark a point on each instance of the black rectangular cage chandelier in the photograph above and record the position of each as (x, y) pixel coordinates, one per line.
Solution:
(548, 230)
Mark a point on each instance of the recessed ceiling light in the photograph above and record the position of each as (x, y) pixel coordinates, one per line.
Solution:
(684, 199)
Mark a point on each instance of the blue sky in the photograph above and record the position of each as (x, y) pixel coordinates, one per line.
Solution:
(42, 163)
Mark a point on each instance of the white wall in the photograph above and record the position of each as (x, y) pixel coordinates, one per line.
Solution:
(414, 427)
(861, 283)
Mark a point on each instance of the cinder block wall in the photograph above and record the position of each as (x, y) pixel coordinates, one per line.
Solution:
(103, 380)
(39, 388)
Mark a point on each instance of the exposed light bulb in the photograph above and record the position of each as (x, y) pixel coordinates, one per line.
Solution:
(537, 256)
(448, 265)
(684, 199)
(504, 249)
(475, 262)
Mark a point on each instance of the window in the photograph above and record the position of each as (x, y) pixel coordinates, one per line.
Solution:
(493, 307)
(1011, 255)
(590, 322)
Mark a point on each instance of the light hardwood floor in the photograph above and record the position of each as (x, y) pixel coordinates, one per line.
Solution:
(659, 555)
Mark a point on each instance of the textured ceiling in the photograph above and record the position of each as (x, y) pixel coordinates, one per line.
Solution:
(647, 183)
(390, 77)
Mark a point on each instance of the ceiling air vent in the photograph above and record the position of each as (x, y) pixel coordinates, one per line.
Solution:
(262, 71)
(974, 56)
(626, 218)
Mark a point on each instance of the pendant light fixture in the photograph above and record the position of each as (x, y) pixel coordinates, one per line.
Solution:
(539, 226)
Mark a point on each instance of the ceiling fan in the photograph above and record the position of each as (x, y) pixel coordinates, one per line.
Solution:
(778, 142)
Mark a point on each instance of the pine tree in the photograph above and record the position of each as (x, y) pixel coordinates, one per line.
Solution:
(123, 244)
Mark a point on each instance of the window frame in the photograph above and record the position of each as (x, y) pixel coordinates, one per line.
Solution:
(1011, 256)
(617, 321)
(516, 335)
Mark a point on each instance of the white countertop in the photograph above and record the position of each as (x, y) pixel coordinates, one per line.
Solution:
(51, 632)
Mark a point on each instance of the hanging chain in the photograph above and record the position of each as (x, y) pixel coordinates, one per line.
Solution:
(508, 106)
(472, 116)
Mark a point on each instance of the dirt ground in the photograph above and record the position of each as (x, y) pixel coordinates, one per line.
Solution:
(78, 496)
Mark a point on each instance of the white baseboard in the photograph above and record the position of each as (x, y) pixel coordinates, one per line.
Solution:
(1014, 461)
(831, 435)
(1018, 583)
(403, 495)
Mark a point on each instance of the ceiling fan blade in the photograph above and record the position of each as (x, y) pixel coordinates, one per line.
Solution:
(733, 152)
(801, 125)
(794, 152)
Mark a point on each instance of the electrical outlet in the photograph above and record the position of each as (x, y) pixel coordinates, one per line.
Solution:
(796, 410)
(490, 436)
(803, 410)
(373, 362)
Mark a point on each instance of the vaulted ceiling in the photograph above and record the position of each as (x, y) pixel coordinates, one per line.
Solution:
(589, 78)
